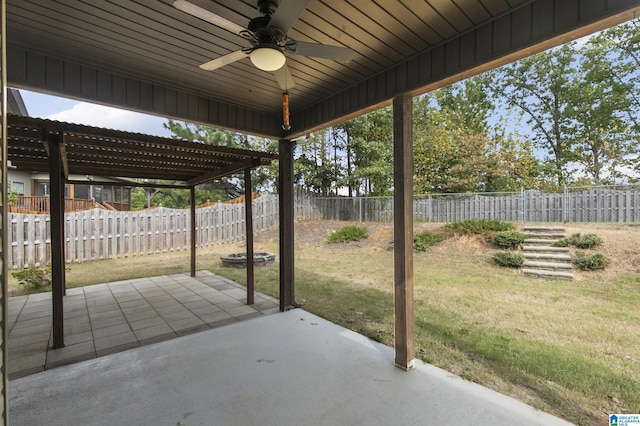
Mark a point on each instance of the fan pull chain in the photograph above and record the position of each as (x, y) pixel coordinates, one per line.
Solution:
(285, 112)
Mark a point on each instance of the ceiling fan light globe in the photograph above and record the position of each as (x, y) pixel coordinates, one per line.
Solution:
(268, 58)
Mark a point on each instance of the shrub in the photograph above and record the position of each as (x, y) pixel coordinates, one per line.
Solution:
(348, 233)
(479, 226)
(591, 261)
(34, 278)
(508, 239)
(508, 259)
(580, 241)
(586, 241)
(421, 242)
(564, 242)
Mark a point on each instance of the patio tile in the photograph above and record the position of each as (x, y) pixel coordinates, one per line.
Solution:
(108, 322)
(30, 339)
(241, 310)
(117, 340)
(186, 324)
(236, 293)
(271, 311)
(215, 317)
(110, 331)
(27, 365)
(195, 304)
(178, 315)
(134, 303)
(191, 330)
(77, 328)
(39, 297)
(70, 353)
(140, 315)
(107, 307)
(153, 332)
(207, 309)
(19, 331)
(147, 322)
(223, 322)
(27, 314)
(74, 338)
(249, 316)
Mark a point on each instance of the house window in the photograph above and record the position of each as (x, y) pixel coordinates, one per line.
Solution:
(41, 187)
(97, 193)
(17, 187)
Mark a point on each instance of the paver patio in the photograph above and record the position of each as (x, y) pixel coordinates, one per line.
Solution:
(107, 318)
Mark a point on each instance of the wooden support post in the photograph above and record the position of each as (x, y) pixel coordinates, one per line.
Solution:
(285, 200)
(56, 183)
(248, 220)
(4, 268)
(403, 230)
(194, 235)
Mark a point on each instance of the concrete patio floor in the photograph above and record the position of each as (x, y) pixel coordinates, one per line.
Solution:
(107, 318)
(290, 368)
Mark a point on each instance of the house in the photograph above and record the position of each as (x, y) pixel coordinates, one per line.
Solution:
(31, 190)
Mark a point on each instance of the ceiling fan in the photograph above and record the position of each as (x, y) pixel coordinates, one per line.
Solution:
(267, 35)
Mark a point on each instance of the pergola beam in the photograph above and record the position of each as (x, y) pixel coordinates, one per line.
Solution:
(226, 171)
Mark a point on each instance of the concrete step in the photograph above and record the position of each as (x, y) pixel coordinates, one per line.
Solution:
(561, 275)
(539, 241)
(549, 249)
(553, 257)
(532, 264)
(553, 229)
(549, 235)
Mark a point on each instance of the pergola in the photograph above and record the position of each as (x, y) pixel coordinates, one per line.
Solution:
(145, 56)
(64, 150)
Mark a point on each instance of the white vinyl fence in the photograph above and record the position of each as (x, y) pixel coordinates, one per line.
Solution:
(104, 234)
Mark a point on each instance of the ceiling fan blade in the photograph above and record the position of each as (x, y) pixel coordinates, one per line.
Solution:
(336, 53)
(284, 78)
(223, 60)
(207, 15)
(288, 13)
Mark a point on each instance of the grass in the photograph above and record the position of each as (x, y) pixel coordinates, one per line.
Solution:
(568, 348)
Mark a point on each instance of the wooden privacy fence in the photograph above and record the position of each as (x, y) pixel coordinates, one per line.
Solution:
(105, 234)
(578, 204)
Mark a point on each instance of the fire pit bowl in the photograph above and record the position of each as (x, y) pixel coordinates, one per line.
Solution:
(239, 260)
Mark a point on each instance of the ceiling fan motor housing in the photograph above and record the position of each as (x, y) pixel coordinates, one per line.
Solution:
(267, 7)
(264, 34)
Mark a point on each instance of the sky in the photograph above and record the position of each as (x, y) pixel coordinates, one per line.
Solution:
(72, 111)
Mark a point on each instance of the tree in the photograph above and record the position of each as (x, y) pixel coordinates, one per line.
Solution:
(541, 87)
(369, 153)
(608, 104)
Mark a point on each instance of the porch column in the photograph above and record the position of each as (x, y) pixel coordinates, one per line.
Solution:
(192, 199)
(248, 220)
(403, 230)
(58, 284)
(286, 217)
(4, 269)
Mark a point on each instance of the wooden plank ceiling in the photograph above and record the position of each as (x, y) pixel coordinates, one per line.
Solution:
(145, 54)
(94, 151)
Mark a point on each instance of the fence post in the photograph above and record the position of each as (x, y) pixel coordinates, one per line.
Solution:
(522, 216)
(565, 204)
